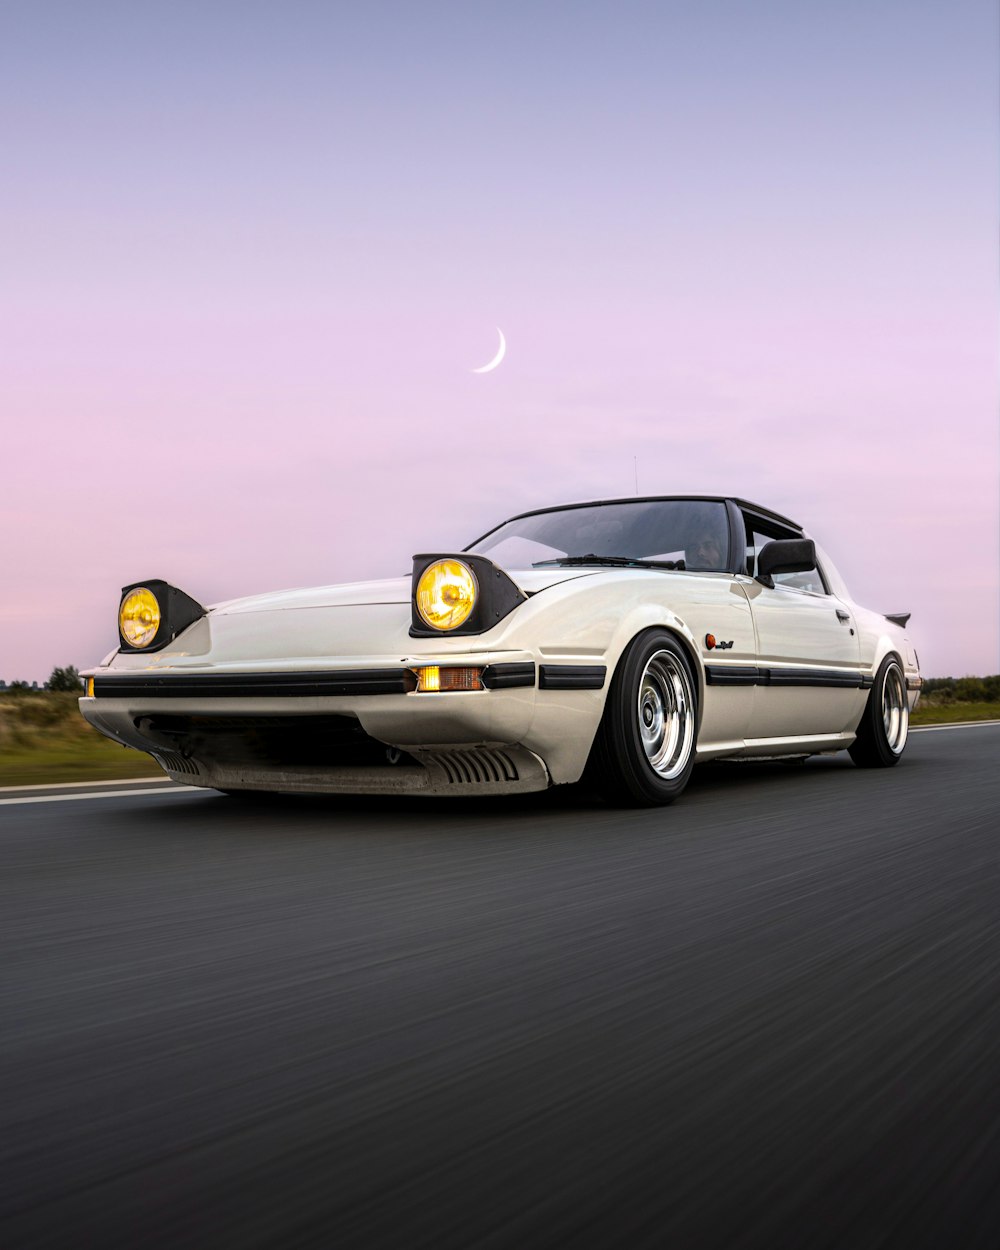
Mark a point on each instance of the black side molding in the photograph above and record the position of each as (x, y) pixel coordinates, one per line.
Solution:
(571, 676)
(748, 675)
(731, 675)
(809, 677)
(508, 676)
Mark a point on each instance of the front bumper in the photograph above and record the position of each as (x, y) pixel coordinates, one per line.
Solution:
(352, 730)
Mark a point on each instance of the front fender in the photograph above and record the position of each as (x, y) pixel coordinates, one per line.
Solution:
(592, 621)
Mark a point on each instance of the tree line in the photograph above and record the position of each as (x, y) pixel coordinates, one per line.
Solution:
(962, 689)
(63, 680)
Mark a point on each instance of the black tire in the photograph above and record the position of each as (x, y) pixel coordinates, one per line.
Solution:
(882, 732)
(644, 750)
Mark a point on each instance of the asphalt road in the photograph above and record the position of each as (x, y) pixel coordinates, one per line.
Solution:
(767, 1016)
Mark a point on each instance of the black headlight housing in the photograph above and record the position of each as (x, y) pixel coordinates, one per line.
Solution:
(177, 612)
(497, 595)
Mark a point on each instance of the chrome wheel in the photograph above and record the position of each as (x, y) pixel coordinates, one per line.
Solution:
(895, 709)
(644, 749)
(666, 714)
(881, 732)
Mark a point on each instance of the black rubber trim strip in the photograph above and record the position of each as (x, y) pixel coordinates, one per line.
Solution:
(746, 675)
(507, 676)
(254, 685)
(867, 681)
(914, 683)
(810, 677)
(731, 675)
(571, 676)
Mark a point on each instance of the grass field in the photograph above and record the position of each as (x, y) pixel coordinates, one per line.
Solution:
(931, 713)
(44, 740)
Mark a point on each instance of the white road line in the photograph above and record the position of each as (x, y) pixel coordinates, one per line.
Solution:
(100, 781)
(105, 794)
(955, 724)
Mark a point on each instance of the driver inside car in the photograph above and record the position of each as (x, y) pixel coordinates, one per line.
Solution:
(707, 551)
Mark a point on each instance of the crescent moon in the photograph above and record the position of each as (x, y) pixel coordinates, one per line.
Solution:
(497, 358)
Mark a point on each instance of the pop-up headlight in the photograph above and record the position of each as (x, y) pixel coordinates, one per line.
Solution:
(153, 613)
(459, 594)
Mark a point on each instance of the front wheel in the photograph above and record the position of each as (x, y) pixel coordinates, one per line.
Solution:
(644, 750)
(882, 733)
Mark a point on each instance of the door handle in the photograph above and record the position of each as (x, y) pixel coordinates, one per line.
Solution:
(843, 616)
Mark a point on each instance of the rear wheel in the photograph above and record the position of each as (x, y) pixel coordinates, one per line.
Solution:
(882, 733)
(644, 750)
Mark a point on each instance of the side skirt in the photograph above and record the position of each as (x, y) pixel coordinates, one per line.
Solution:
(763, 748)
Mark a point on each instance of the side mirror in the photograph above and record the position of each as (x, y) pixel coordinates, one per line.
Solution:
(785, 555)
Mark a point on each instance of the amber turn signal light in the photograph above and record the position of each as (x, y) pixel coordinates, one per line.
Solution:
(435, 678)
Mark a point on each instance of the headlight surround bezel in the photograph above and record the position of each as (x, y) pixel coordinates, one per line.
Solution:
(177, 612)
(497, 595)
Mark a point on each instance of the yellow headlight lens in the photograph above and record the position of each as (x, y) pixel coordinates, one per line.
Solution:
(139, 617)
(446, 594)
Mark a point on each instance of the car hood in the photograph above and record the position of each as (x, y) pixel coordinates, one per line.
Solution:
(359, 624)
(387, 590)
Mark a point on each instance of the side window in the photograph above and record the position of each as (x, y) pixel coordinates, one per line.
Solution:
(810, 581)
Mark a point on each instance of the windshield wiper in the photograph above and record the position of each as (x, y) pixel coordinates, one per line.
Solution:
(624, 562)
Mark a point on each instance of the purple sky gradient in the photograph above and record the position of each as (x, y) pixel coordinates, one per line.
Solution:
(250, 254)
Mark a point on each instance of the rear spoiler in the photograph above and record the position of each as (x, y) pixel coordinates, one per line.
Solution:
(898, 618)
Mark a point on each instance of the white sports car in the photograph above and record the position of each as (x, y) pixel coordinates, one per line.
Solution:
(628, 639)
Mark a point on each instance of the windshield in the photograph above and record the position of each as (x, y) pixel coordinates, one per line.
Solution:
(678, 533)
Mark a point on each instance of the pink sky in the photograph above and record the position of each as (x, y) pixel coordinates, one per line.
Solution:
(247, 273)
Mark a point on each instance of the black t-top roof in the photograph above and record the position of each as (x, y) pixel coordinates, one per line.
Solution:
(768, 513)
